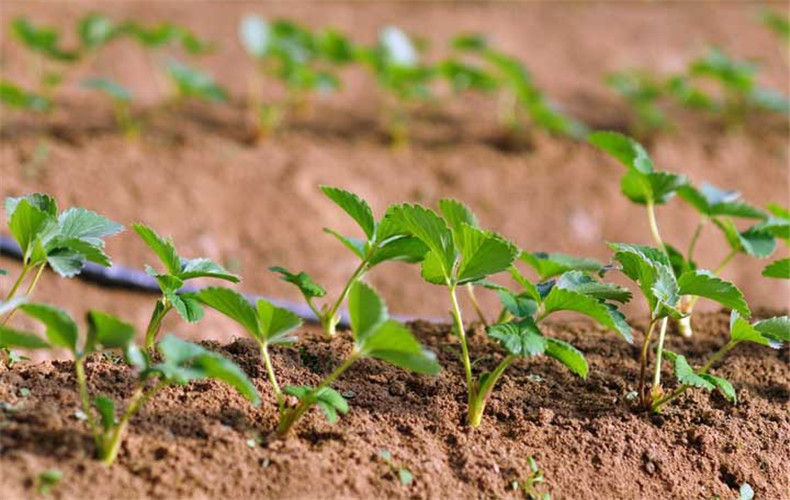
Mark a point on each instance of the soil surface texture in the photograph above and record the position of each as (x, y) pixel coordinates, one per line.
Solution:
(205, 441)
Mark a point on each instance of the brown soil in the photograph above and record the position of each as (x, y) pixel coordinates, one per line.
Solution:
(193, 441)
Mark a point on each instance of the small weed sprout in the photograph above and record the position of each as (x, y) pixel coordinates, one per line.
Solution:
(461, 253)
(531, 485)
(178, 270)
(404, 475)
(374, 334)
(303, 61)
(383, 241)
(181, 362)
(46, 480)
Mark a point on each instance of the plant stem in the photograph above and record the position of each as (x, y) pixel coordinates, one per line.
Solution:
(17, 283)
(272, 378)
(330, 317)
(111, 445)
(459, 325)
(476, 305)
(477, 406)
(28, 292)
(290, 417)
(659, 352)
(694, 238)
(651, 217)
(643, 359)
(656, 406)
(161, 309)
(82, 384)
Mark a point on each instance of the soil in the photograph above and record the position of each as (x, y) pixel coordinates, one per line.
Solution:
(194, 441)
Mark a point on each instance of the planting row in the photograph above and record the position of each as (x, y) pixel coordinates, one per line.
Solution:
(304, 62)
(453, 252)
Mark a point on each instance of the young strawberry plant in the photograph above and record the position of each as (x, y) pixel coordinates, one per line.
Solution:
(48, 58)
(643, 91)
(181, 362)
(461, 253)
(63, 241)
(121, 100)
(383, 241)
(374, 335)
(178, 270)
(302, 61)
(518, 94)
(772, 332)
(404, 78)
(192, 83)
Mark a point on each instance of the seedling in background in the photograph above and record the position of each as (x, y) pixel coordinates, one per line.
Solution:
(15, 97)
(531, 485)
(773, 332)
(383, 242)
(404, 78)
(643, 91)
(374, 334)
(192, 83)
(518, 94)
(121, 100)
(178, 270)
(65, 241)
(46, 480)
(302, 61)
(404, 475)
(163, 34)
(181, 362)
(777, 22)
(461, 253)
(50, 59)
(646, 186)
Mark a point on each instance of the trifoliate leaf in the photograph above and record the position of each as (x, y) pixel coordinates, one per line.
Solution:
(357, 208)
(276, 322)
(233, 305)
(303, 281)
(366, 311)
(549, 265)
(482, 254)
(626, 150)
(522, 338)
(568, 355)
(723, 385)
(61, 330)
(704, 284)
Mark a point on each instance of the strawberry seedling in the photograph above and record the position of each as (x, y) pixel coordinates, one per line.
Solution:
(302, 61)
(383, 242)
(374, 334)
(121, 100)
(773, 332)
(643, 91)
(178, 270)
(181, 362)
(49, 58)
(65, 241)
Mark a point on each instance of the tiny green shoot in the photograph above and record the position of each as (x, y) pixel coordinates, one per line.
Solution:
(47, 479)
(404, 475)
(531, 485)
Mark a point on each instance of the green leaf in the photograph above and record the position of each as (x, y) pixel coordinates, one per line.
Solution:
(108, 331)
(61, 330)
(710, 200)
(656, 187)
(356, 245)
(560, 299)
(568, 355)
(106, 408)
(28, 224)
(185, 361)
(752, 241)
(548, 265)
(704, 284)
(482, 254)
(66, 262)
(723, 385)
(776, 329)
(394, 343)
(109, 88)
(95, 30)
(79, 250)
(366, 310)
(164, 249)
(742, 331)
(205, 268)
(357, 208)
(779, 227)
(276, 322)
(522, 338)
(431, 229)
(686, 374)
(86, 225)
(329, 400)
(41, 201)
(650, 268)
(457, 214)
(10, 337)
(16, 97)
(520, 306)
(399, 248)
(626, 150)
(579, 282)
(233, 305)
(188, 307)
(303, 281)
(194, 83)
(529, 287)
